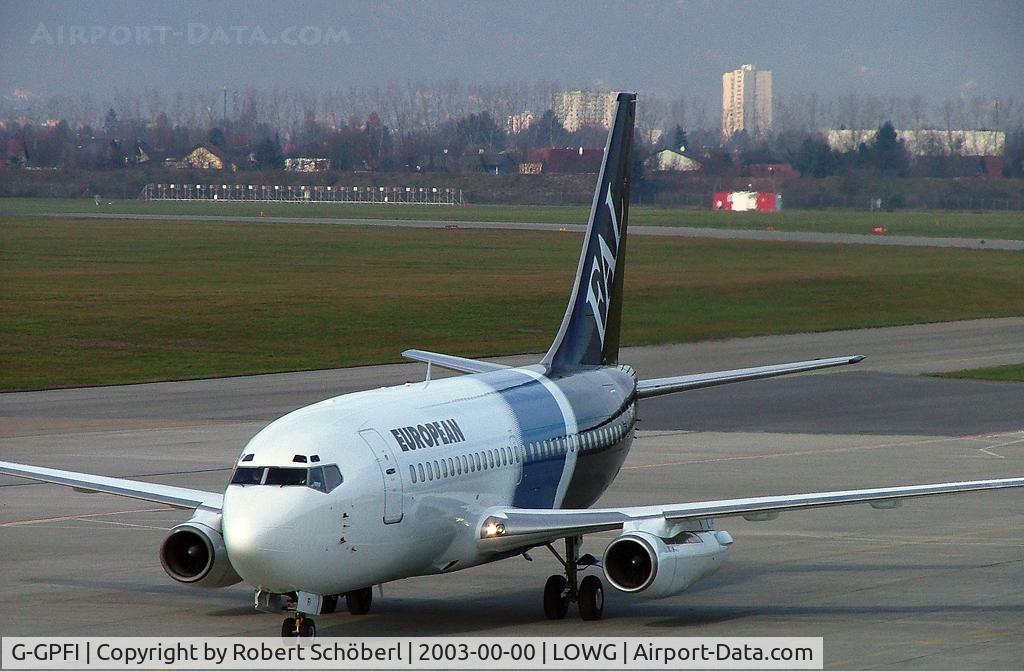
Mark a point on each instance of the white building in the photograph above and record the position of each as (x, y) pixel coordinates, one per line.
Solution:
(517, 123)
(747, 101)
(307, 164)
(928, 142)
(667, 160)
(577, 109)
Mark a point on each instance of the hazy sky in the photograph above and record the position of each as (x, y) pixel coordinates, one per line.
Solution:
(936, 48)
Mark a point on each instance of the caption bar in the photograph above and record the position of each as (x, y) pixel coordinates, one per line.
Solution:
(413, 652)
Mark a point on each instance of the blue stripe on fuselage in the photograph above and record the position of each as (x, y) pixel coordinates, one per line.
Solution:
(540, 419)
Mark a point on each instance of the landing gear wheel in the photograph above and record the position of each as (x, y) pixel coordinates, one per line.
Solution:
(329, 605)
(307, 628)
(591, 598)
(359, 600)
(288, 628)
(556, 601)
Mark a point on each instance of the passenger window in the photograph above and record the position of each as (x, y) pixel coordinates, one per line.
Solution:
(430, 472)
(490, 458)
(437, 471)
(444, 468)
(476, 458)
(412, 473)
(419, 467)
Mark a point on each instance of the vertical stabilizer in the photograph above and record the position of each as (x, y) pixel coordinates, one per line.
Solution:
(589, 335)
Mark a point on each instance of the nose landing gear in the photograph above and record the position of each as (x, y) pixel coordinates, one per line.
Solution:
(298, 626)
(560, 591)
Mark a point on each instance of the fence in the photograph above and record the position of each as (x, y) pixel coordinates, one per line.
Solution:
(262, 193)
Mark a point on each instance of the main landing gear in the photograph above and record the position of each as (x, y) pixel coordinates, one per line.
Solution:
(561, 590)
(301, 625)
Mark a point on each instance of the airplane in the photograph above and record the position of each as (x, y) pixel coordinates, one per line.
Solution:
(446, 474)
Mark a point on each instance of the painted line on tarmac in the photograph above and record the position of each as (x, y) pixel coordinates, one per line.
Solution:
(65, 518)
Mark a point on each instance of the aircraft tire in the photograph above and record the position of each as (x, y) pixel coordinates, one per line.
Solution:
(288, 628)
(591, 598)
(359, 600)
(329, 605)
(307, 628)
(556, 605)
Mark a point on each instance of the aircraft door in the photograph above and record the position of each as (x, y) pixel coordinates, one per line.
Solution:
(389, 471)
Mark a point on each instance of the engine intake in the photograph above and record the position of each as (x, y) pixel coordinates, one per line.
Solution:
(194, 554)
(641, 563)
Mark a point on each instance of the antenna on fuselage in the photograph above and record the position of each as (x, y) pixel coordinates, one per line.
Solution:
(428, 372)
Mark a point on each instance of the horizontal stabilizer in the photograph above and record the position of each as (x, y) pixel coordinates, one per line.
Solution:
(177, 497)
(450, 362)
(670, 385)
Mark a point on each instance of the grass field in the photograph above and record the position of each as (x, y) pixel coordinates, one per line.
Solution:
(994, 225)
(101, 301)
(1012, 373)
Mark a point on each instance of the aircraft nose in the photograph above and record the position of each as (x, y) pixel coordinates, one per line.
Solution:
(261, 543)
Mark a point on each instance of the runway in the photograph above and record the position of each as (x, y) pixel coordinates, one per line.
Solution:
(664, 231)
(936, 584)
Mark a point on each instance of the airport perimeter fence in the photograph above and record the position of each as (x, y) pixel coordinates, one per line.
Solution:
(262, 193)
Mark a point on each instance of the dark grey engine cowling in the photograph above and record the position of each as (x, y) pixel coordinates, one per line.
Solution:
(648, 566)
(194, 554)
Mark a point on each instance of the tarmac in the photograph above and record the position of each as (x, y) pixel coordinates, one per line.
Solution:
(936, 584)
(669, 231)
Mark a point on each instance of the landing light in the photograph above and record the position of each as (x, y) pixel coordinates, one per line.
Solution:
(493, 529)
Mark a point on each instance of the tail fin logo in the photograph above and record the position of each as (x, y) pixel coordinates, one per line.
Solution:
(589, 334)
(602, 271)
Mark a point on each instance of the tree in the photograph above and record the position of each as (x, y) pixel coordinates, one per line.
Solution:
(547, 132)
(679, 141)
(814, 158)
(480, 129)
(216, 137)
(111, 124)
(268, 154)
(1013, 155)
(887, 153)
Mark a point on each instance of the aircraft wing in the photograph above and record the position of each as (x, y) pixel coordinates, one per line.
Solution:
(670, 385)
(511, 528)
(451, 362)
(177, 497)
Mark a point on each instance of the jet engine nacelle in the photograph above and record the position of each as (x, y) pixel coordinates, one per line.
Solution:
(651, 567)
(194, 553)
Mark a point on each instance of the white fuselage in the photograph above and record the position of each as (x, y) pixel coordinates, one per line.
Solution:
(421, 465)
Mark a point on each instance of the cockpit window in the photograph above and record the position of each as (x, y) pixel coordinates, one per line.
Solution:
(245, 475)
(286, 477)
(332, 477)
(316, 479)
(320, 478)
